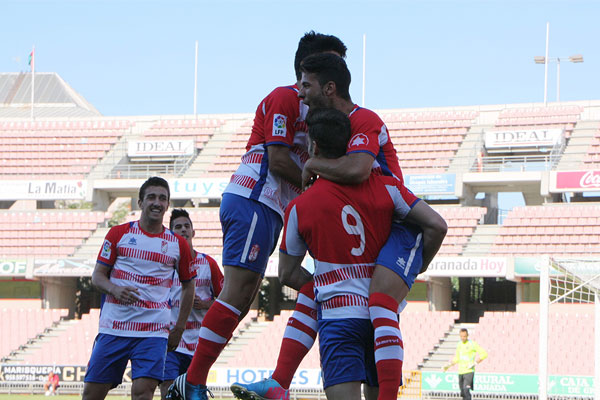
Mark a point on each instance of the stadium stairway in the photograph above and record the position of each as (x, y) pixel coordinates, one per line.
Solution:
(444, 352)
(246, 332)
(577, 148)
(213, 148)
(481, 241)
(118, 153)
(90, 248)
(466, 155)
(35, 343)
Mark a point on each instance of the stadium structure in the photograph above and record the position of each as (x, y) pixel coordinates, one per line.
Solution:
(70, 173)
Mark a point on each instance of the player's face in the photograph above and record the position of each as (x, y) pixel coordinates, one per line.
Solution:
(155, 203)
(464, 336)
(311, 92)
(183, 227)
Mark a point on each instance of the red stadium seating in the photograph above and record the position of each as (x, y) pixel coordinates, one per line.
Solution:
(46, 233)
(199, 130)
(20, 325)
(551, 117)
(230, 156)
(512, 342)
(426, 142)
(56, 149)
(462, 222)
(568, 230)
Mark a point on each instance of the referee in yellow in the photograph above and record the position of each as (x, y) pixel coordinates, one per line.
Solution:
(468, 354)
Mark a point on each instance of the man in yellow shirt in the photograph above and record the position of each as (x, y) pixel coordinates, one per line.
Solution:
(466, 358)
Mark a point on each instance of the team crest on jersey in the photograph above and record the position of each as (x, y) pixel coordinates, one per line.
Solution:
(164, 246)
(132, 242)
(105, 250)
(253, 255)
(279, 125)
(360, 139)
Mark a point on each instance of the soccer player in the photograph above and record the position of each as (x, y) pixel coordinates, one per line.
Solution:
(209, 282)
(251, 213)
(135, 271)
(410, 248)
(344, 227)
(468, 354)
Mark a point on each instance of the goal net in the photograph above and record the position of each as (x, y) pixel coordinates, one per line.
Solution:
(569, 325)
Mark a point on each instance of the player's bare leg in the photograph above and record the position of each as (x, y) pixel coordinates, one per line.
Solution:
(344, 391)
(143, 388)
(95, 391)
(164, 388)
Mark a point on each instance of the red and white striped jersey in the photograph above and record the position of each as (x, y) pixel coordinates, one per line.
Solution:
(209, 282)
(146, 261)
(279, 120)
(344, 227)
(370, 135)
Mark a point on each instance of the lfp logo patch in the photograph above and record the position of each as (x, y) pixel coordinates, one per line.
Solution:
(105, 250)
(279, 125)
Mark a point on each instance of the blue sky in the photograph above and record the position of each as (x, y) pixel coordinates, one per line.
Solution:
(137, 57)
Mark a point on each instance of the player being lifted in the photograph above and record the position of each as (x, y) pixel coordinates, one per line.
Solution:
(344, 227)
(251, 213)
(409, 250)
(208, 283)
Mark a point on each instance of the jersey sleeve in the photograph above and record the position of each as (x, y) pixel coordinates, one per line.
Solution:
(480, 351)
(281, 109)
(367, 128)
(108, 253)
(404, 200)
(184, 267)
(216, 276)
(292, 243)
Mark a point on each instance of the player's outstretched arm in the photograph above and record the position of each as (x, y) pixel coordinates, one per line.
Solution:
(434, 230)
(101, 281)
(291, 272)
(352, 168)
(281, 164)
(185, 307)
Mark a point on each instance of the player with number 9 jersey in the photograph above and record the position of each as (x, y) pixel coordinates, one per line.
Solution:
(344, 235)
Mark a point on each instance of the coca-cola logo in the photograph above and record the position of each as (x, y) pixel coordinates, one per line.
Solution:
(589, 179)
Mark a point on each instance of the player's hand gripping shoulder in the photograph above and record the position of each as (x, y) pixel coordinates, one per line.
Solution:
(200, 304)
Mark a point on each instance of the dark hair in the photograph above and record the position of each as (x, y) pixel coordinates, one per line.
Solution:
(330, 129)
(176, 213)
(313, 43)
(154, 181)
(329, 68)
(464, 330)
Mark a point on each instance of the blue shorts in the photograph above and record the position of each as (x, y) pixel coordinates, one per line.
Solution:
(250, 232)
(347, 353)
(403, 252)
(175, 365)
(111, 353)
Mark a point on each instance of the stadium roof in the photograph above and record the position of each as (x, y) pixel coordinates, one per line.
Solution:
(53, 97)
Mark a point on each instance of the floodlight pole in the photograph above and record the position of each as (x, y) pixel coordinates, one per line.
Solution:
(546, 65)
(364, 65)
(196, 81)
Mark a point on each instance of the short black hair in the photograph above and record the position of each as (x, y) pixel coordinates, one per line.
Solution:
(313, 43)
(329, 67)
(330, 129)
(154, 181)
(179, 212)
(464, 330)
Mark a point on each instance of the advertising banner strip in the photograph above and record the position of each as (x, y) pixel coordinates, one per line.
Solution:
(468, 267)
(43, 190)
(422, 184)
(509, 383)
(155, 148)
(580, 181)
(522, 138)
